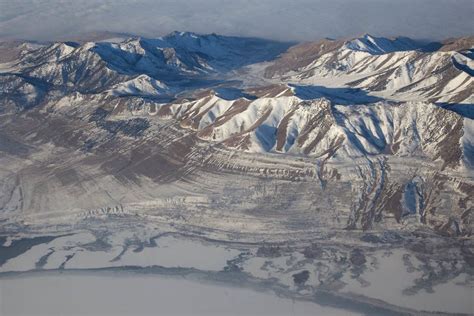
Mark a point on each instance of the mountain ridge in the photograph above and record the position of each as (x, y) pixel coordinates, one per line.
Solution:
(383, 125)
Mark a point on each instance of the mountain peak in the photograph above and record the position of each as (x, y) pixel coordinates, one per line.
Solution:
(176, 34)
(381, 45)
(368, 36)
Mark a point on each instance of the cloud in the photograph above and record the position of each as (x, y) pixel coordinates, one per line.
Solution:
(276, 19)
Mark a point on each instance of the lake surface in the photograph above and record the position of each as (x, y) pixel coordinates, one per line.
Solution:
(66, 293)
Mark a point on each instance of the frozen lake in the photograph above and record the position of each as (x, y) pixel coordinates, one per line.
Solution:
(132, 294)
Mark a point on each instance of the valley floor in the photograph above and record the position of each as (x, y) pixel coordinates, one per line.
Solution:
(119, 259)
(218, 216)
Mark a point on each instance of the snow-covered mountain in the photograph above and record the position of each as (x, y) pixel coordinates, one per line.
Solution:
(280, 119)
(177, 59)
(380, 45)
(314, 170)
(381, 126)
(392, 69)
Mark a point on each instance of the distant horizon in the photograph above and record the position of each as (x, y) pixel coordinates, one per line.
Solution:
(295, 21)
(94, 36)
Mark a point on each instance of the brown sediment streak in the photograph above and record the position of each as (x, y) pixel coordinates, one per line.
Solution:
(237, 107)
(282, 130)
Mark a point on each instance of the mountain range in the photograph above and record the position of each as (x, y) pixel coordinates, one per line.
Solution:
(363, 133)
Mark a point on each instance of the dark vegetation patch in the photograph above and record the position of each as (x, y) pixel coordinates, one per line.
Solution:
(269, 251)
(357, 257)
(387, 237)
(300, 278)
(134, 127)
(313, 252)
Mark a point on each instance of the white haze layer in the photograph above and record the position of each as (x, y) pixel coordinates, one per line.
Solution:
(277, 19)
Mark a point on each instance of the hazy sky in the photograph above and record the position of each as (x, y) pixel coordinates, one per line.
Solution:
(277, 19)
